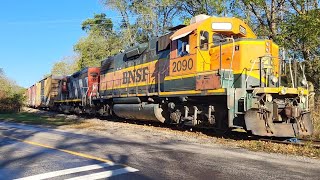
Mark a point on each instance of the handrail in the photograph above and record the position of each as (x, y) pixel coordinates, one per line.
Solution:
(84, 95)
(94, 87)
(232, 57)
(254, 62)
(291, 74)
(307, 85)
(260, 66)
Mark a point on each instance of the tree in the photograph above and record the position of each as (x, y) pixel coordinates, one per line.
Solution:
(301, 33)
(99, 25)
(94, 48)
(292, 24)
(66, 66)
(123, 7)
(264, 16)
(100, 42)
(190, 8)
(287, 22)
(154, 17)
(143, 19)
(312, 71)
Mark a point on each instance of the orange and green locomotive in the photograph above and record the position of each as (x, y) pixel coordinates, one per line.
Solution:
(213, 73)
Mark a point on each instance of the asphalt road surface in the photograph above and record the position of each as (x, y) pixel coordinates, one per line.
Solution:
(37, 152)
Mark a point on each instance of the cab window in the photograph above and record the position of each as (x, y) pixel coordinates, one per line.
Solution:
(217, 39)
(183, 46)
(204, 40)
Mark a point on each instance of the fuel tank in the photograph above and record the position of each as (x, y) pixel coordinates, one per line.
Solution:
(142, 111)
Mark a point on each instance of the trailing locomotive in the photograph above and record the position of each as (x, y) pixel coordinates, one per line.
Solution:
(213, 73)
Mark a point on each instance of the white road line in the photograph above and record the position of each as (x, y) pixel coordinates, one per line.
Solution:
(105, 174)
(67, 171)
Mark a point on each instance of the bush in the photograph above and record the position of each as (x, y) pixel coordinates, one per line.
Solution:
(11, 104)
(11, 95)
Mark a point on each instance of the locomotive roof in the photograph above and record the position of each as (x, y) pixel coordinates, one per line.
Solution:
(177, 27)
(218, 25)
(53, 77)
(185, 31)
(82, 71)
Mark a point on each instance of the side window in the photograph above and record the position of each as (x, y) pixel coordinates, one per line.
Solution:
(183, 46)
(204, 40)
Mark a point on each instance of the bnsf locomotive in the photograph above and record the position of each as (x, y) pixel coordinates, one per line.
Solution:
(213, 73)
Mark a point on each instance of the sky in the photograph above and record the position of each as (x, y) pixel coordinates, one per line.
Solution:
(36, 33)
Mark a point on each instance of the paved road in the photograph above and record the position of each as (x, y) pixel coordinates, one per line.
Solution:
(36, 152)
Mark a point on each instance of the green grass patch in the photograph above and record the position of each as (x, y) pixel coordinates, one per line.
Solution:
(34, 118)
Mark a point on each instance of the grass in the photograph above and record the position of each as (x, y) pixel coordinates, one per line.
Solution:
(271, 147)
(35, 118)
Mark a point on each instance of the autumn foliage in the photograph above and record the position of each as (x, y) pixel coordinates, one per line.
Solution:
(11, 95)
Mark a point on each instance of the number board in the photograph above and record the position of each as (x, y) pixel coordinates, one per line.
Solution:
(182, 65)
(242, 30)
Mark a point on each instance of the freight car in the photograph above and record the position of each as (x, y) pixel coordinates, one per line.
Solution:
(31, 96)
(213, 73)
(44, 93)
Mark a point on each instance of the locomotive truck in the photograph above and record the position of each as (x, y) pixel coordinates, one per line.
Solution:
(213, 73)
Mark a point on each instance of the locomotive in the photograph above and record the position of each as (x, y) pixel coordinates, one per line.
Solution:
(213, 73)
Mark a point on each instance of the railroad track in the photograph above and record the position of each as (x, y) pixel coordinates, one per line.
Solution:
(296, 142)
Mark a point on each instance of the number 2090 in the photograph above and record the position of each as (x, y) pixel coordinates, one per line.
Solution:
(182, 65)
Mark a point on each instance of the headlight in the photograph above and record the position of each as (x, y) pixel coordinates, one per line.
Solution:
(269, 98)
(301, 92)
(303, 99)
(283, 91)
(274, 79)
(267, 50)
(304, 82)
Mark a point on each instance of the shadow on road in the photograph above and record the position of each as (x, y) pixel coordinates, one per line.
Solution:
(17, 157)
